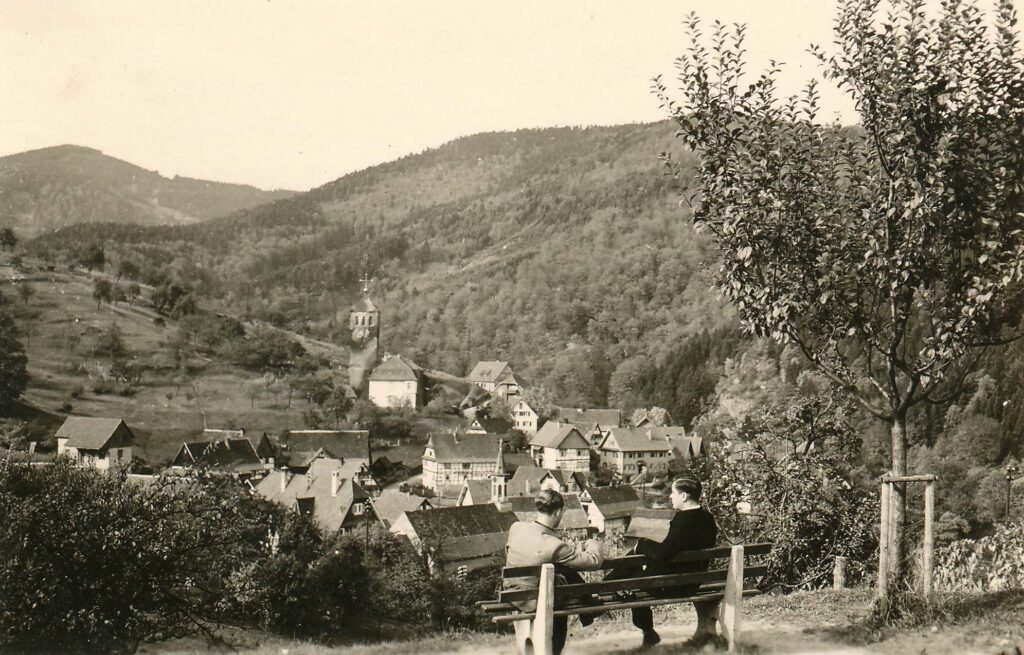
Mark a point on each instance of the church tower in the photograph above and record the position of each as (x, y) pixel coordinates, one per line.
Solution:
(364, 346)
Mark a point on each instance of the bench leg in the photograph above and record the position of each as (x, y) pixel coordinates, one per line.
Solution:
(524, 644)
(732, 601)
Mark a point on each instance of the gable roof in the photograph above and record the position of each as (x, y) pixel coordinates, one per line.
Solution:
(510, 377)
(340, 444)
(364, 304)
(89, 433)
(231, 455)
(517, 486)
(462, 532)
(615, 502)
(514, 461)
(450, 447)
(489, 371)
(645, 439)
(602, 417)
(479, 489)
(560, 436)
(390, 505)
(396, 369)
(525, 509)
(311, 492)
(495, 425)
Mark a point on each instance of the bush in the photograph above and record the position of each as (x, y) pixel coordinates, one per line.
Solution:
(991, 563)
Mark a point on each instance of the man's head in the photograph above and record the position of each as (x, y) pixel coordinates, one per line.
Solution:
(550, 506)
(685, 490)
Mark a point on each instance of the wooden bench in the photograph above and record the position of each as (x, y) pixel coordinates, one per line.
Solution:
(534, 629)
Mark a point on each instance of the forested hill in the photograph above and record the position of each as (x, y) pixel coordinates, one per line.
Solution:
(51, 188)
(566, 251)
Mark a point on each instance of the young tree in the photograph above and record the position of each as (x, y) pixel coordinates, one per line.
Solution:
(890, 254)
(102, 291)
(25, 291)
(7, 238)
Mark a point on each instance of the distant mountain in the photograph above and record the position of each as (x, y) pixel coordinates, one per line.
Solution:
(47, 189)
(566, 251)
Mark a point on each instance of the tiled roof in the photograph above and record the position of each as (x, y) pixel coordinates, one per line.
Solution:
(462, 532)
(647, 439)
(342, 444)
(232, 455)
(615, 502)
(491, 371)
(479, 490)
(495, 425)
(311, 492)
(525, 509)
(514, 461)
(396, 369)
(88, 433)
(464, 448)
(389, 505)
(517, 486)
(559, 435)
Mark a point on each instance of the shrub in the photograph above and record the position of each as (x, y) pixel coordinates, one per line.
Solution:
(991, 563)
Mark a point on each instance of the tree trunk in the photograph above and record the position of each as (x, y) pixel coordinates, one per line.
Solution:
(898, 509)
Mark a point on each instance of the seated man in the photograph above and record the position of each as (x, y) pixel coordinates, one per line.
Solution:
(534, 542)
(692, 528)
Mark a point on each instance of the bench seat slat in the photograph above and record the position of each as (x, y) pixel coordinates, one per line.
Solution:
(597, 609)
(632, 560)
(563, 592)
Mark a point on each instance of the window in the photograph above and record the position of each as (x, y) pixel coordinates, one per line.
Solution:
(465, 467)
(357, 509)
(371, 319)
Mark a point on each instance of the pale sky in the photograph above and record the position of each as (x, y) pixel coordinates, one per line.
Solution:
(293, 94)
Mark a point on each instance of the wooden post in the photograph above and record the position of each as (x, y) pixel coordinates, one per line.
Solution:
(731, 612)
(929, 537)
(883, 542)
(839, 573)
(543, 622)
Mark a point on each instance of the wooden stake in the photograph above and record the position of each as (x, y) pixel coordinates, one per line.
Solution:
(929, 537)
(883, 542)
(543, 623)
(731, 611)
(839, 573)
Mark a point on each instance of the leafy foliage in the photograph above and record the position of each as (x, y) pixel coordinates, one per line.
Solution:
(13, 362)
(991, 563)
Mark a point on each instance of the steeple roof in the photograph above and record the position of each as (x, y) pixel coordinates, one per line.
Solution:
(364, 304)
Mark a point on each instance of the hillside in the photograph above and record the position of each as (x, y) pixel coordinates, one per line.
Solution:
(566, 251)
(47, 189)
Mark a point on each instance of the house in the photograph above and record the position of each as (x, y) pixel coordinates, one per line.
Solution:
(626, 450)
(575, 521)
(529, 480)
(487, 425)
(610, 508)
(326, 492)
(264, 448)
(512, 462)
(100, 443)
(451, 458)
(457, 539)
(498, 379)
(560, 446)
(476, 491)
(525, 418)
(389, 506)
(231, 456)
(299, 448)
(396, 382)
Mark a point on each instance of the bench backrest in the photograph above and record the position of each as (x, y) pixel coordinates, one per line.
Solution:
(712, 577)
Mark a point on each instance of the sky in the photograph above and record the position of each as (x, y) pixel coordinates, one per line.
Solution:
(294, 94)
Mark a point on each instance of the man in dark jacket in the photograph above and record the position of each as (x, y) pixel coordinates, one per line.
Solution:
(692, 528)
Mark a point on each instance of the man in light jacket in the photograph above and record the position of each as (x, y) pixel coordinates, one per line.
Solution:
(532, 543)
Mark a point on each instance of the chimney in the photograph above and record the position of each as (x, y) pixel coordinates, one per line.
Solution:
(650, 435)
(335, 483)
(284, 477)
(528, 489)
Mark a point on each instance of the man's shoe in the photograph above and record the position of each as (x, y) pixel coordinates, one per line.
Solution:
(651, 638)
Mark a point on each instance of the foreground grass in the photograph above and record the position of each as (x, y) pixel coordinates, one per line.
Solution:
(804, 622)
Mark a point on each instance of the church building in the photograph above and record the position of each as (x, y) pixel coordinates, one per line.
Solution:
(364, 346)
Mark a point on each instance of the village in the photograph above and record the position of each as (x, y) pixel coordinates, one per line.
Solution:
(456, 504)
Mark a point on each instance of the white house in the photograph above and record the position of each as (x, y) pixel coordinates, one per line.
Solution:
(524, 418)
(560, 446)
(100, 443)
(627, 450)
(396, 382)
(450, 458)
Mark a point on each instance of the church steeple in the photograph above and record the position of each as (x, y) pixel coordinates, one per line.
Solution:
(364, 347)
